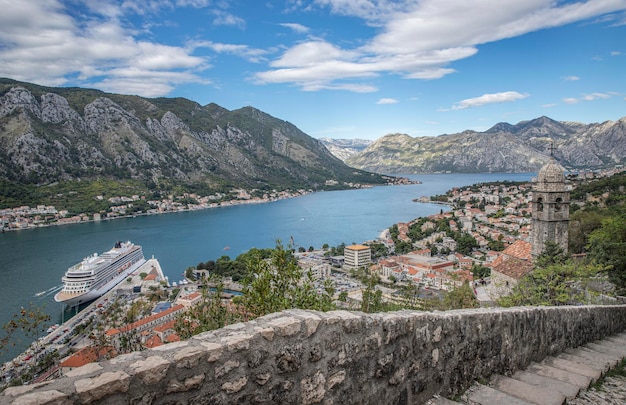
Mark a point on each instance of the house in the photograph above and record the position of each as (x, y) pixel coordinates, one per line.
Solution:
(86, 355)
(513, 264)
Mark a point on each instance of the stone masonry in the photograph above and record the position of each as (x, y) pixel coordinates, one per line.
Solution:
(338, 357)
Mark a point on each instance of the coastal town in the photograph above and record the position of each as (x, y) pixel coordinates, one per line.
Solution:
(480, 238)
(26, 217)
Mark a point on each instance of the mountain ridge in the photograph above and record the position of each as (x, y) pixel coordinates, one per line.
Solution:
(50, 134)
(521, 147)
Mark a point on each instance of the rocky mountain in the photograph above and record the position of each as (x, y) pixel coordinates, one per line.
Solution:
(523, 147)
(345, 148)
(51, 134)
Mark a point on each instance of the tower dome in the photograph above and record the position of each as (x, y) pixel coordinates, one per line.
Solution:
(550, 177)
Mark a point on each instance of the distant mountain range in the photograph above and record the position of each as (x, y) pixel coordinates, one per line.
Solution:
(50, 134)
(523, 147)
(345, 148)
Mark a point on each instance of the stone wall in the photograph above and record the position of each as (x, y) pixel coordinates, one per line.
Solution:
(339, 357)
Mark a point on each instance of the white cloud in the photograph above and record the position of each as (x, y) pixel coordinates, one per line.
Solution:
(571, 78)
(419, 40)
(355, 88)
(595, 96)
(299, 28)
(589, 97)
(225, 18)
(387, 101)
(548, 105)
(502, 97)
(98, 50)
(254, 55)
(615, 53)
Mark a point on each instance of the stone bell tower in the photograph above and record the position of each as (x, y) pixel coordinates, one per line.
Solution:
(550, 205)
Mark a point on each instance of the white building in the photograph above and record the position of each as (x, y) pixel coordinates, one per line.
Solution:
(356, 256)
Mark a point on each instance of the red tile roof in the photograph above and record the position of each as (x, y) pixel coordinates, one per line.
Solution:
(519, 249)
(513, 267)
(87, 355)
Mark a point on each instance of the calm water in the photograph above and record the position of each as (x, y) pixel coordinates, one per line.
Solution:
(33, 261)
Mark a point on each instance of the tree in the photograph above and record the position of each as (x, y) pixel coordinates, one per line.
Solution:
(208, 314)
(277, 283)
(552, 254)
(459, 298)
(189, 273)
(581, 224)
(30, 321)
(480, 271)
(607, 246)
(555, 284)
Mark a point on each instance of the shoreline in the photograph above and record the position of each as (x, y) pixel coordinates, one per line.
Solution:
(225, 204)
(231, 203)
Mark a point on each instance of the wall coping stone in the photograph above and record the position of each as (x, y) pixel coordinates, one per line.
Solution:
(302, 356)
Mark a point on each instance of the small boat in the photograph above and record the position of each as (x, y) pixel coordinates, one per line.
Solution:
(227, 248)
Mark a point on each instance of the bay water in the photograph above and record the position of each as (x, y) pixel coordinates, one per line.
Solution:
(33, 261)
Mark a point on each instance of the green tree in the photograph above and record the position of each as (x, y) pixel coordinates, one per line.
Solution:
(189, 273)
(209, 313)
(277, 283)
(555, 284)
(581, 224)
(459, 298)
(552, 254)
(480, 271)
(607, 246)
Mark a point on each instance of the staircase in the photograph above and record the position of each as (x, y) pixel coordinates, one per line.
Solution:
(554, 381)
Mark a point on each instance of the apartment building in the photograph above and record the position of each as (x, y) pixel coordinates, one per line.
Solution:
(356, 256)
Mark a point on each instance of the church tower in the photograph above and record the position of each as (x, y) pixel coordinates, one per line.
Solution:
(550, 205)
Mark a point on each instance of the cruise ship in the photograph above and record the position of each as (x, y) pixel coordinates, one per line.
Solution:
(97, 274)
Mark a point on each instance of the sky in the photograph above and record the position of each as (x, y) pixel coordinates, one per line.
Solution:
(340, 69)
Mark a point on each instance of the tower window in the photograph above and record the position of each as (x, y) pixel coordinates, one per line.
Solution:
(557, 206)
(540, 204)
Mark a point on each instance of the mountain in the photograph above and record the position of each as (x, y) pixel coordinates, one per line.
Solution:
(523, 147)
(345, 148)
(51, 134)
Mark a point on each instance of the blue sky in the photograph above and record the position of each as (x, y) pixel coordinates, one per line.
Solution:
(336, 68)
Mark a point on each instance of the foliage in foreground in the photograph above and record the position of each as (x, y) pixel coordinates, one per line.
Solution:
(273, 283)
(30, 321)
(607, 247)
(557, 279)
(278, 283)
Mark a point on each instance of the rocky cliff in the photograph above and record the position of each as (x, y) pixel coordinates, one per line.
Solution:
(523, 147)
(51, 134)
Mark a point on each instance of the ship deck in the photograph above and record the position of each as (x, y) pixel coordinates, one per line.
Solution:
(62, 296)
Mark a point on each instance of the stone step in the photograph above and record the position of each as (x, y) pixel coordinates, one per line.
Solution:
(531, 393)
(573, 367)
(612, 351)
(438, 400)
(480, 394)
(554, 381)
(596, 364)
(619, 337)
(587, 353)
(618, 348)
(567, 389)
(579, 380)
